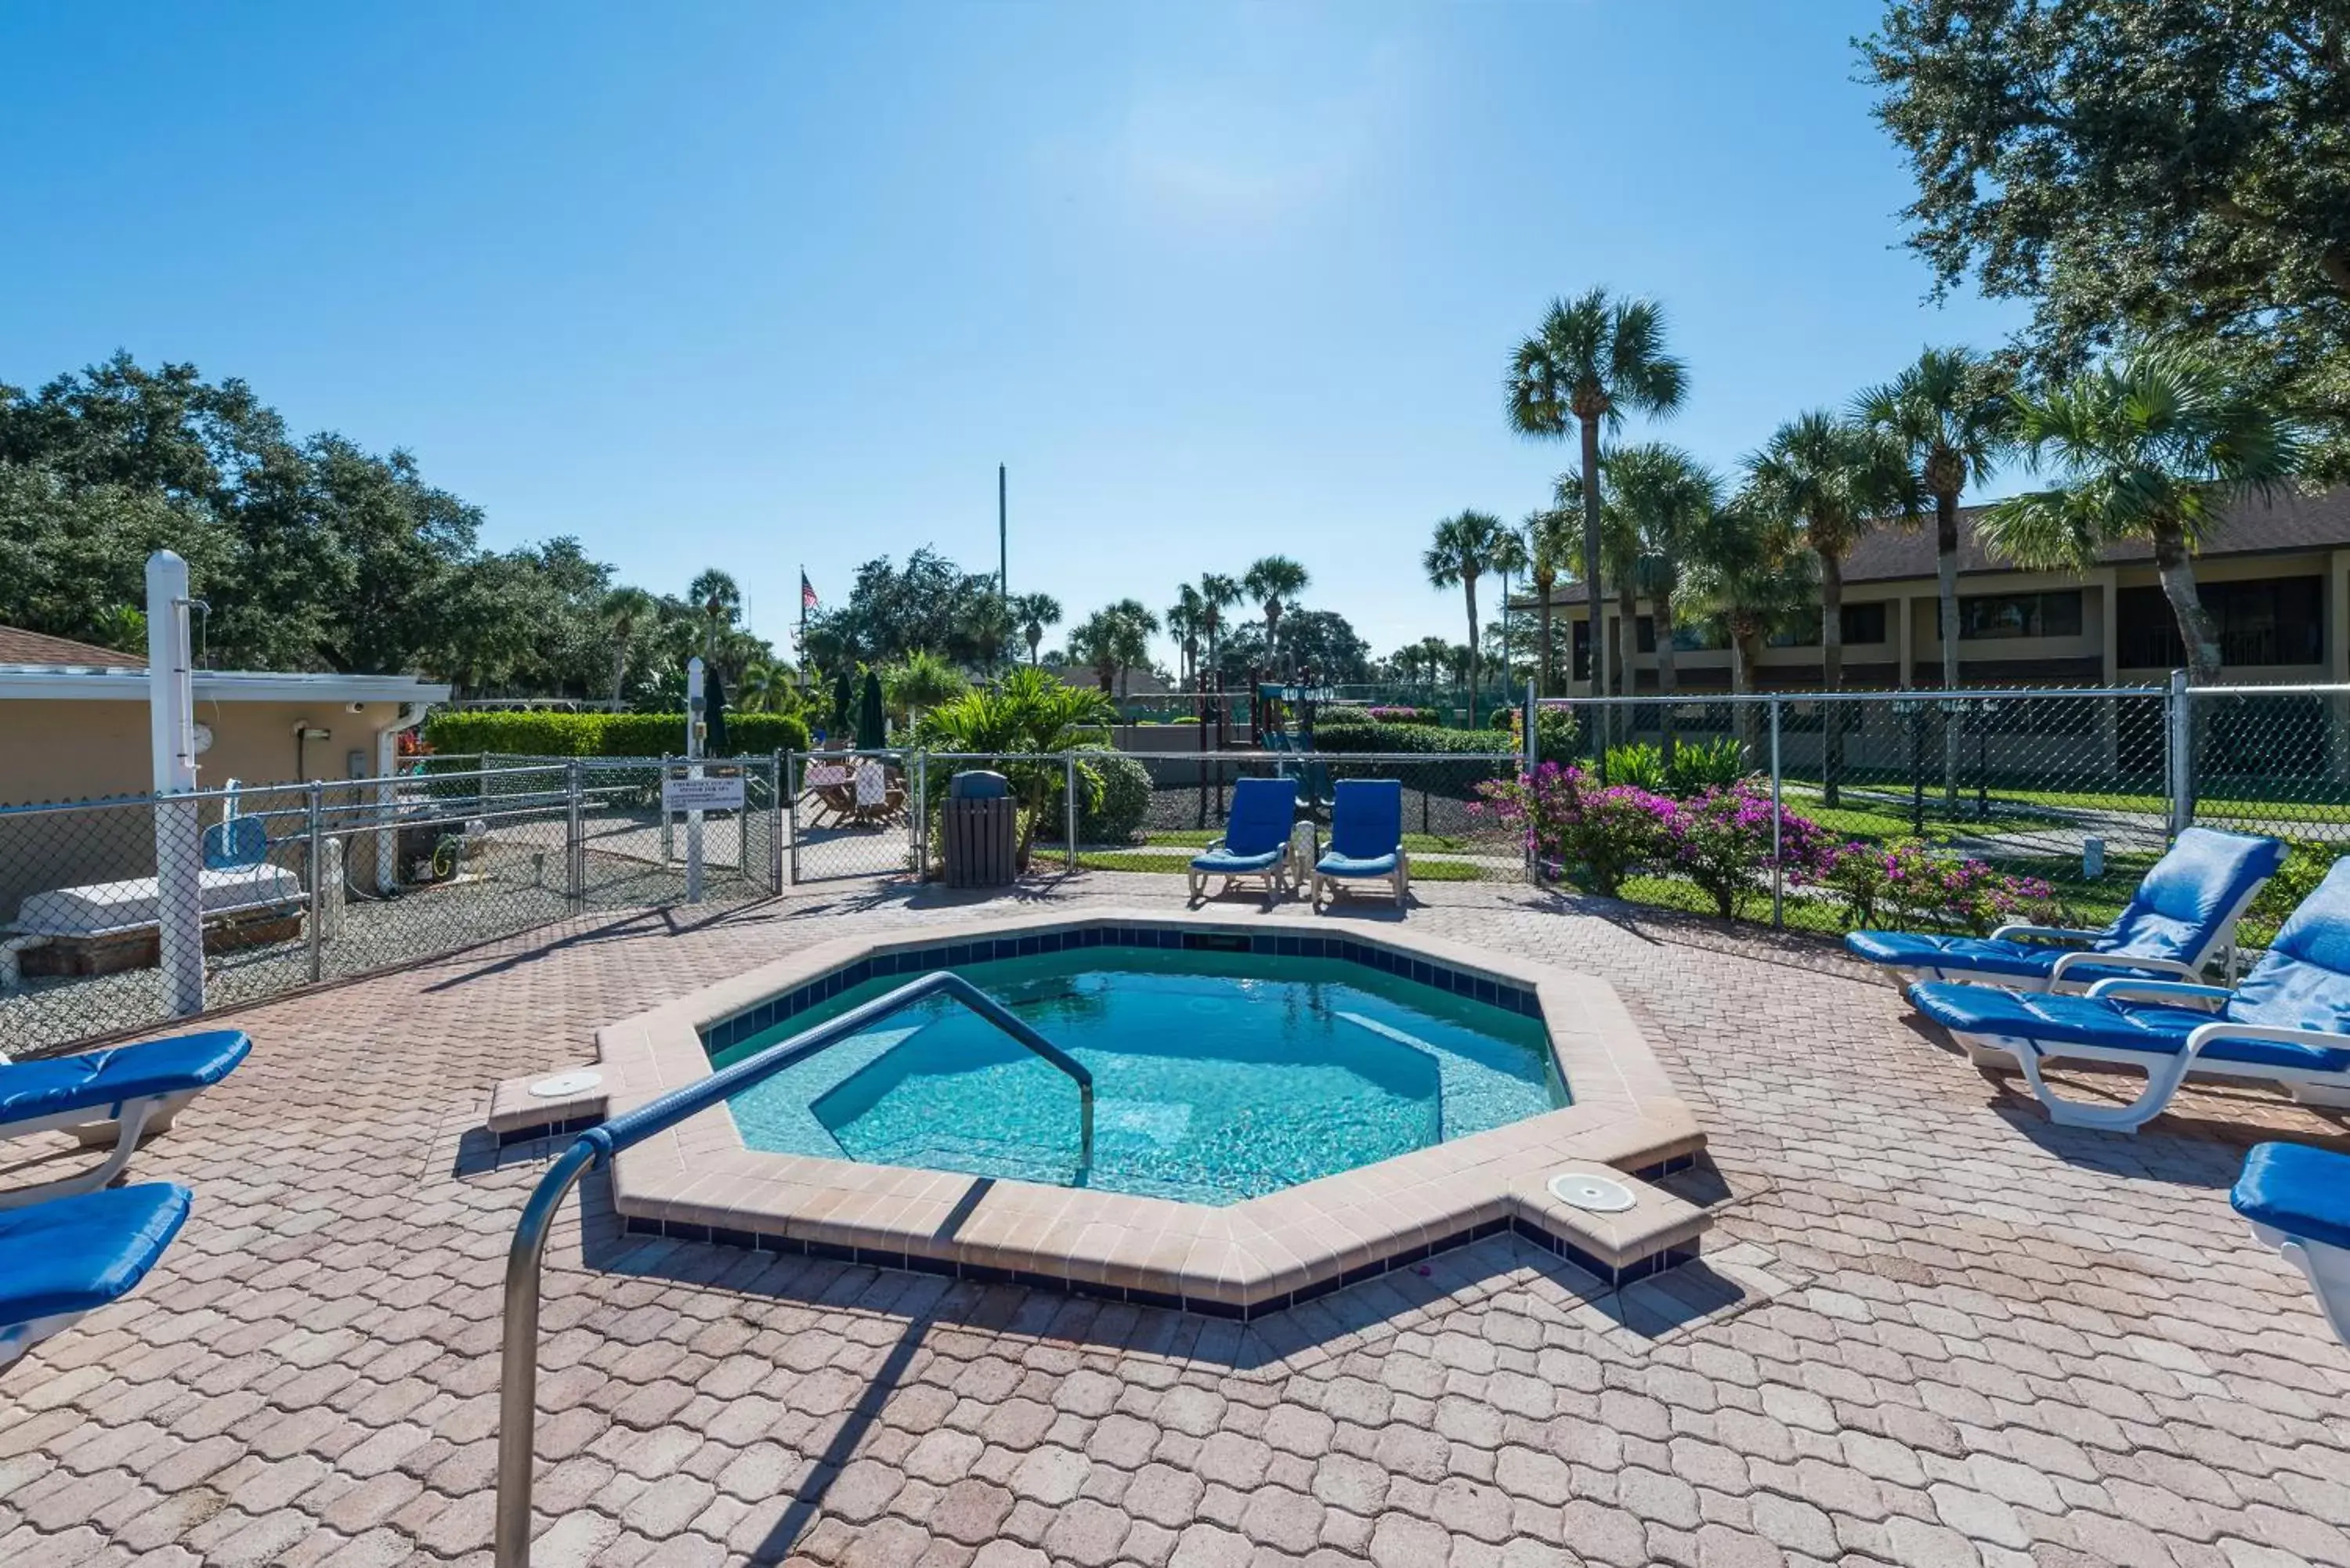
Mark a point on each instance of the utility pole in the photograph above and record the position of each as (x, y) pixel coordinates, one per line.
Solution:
(1002, 542)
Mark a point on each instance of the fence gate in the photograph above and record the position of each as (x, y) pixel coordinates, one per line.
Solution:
(850, 814)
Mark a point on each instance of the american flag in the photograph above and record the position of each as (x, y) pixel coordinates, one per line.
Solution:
(808, 593)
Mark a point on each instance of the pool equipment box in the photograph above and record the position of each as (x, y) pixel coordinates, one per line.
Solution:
(703, 795)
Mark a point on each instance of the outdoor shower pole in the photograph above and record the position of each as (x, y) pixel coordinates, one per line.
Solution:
(693, 707)
(171, 736)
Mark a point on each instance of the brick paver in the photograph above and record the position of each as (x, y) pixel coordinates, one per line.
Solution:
(1933, 1327)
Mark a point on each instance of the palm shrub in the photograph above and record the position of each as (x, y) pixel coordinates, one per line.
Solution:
(1020, 721)
(1638, 765)
(1114, 794)
(1700, 765)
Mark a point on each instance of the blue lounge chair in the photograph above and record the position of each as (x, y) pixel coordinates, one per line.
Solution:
(122, 1094)
(1365, 838)
(1255, 841)
(62, 1259)
(2182, 918)
(2298, 1200)
(2289, 1021)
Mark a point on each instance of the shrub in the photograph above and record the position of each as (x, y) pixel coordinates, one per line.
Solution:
(1639, 765)
(1721, 842)
(2305, 865)
(603, 734)
(1565, 816)
(1700, 765)
(1118, 800)
(1414, 737)
(1916, 883)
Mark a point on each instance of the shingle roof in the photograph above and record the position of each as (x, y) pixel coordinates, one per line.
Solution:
(2284, 522)
(18, 645)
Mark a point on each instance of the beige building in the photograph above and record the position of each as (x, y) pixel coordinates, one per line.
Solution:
(2276, 577)
(73, 723)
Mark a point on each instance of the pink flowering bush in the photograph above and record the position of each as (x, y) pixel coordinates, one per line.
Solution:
(1915, 883)
(1721, 841)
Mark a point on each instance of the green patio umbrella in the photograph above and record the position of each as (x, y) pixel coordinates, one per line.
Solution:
(714, 715)
(844, 703)
(870, 734)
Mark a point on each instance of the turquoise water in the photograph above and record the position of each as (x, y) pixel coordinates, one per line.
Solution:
(1217, 1076)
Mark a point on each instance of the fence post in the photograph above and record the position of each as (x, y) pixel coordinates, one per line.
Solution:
(669, 828)
(318, 881)
(919, 828)
(2178, 739)
(1778, 872)
(775, 765)
(575, 837)
(791, 811)
(1069, 803)
(1531, 759)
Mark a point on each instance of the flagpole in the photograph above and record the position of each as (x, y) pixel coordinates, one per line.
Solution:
(803, 616)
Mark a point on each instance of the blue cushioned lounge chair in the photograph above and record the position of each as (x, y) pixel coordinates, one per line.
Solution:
(62, 1259)
(1365, 838)
(2182, 918)
(1255, 841)
(2298, 1200)
(120, 1095)
(2289, 1021)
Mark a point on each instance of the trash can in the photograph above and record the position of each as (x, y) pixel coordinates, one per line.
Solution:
(982, 827)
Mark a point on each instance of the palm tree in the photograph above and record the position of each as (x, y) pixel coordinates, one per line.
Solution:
(921, 679)
(1511, 557)
(1034, 613)
(1218, 593)
(1272, 581)
(2151, 447)
(1593, 360)
(1185, 621)
(762, 686)
(1749, 570)
(1665, 496)
(719, 598)
(1550, 539)
(1833, 480)
(624, 611)
(1950, 416)
(1131, 641)
(1459, 553)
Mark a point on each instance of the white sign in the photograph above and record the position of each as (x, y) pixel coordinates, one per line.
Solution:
(703, 795)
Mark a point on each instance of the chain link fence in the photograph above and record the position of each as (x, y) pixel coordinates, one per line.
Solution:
(2077, 791)
(303, 882)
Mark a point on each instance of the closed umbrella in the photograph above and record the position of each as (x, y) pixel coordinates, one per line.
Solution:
(714, 716)
(844, 703)
(870, 732)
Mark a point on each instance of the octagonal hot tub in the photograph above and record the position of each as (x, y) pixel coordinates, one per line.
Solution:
(1282, 1105)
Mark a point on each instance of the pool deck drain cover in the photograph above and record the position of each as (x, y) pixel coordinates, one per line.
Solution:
(563, 1085)
(1591, 1192)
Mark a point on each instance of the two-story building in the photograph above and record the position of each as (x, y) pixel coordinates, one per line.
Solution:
(2275, 576)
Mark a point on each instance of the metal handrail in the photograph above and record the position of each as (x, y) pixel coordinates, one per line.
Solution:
(518, 1378)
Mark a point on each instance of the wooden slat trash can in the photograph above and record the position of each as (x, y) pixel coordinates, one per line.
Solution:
(982, 828)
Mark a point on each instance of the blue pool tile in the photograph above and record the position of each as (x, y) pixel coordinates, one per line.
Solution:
(1053, 941)
(1031, 946)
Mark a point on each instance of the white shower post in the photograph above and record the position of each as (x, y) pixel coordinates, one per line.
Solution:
(171, 736)
(693, 729)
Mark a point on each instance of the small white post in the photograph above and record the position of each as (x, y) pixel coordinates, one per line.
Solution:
(693, 722)
(172, 734)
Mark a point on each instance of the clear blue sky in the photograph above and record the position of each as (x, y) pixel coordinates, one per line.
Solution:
(759, 284)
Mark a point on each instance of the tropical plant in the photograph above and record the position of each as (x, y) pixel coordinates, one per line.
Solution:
(1665, 498)
(1275, 582)
(1512, 557)
(1034, 612)
(766, 686)
(920, 680)
(1186, 623)
(719, 597)
(1460, 551)
(1024, 719)
(1114, 639)
(1593, 360)
(1746, 569)
(1218, 593)
(1833, 482)
(1550, 538)
(2151, 446)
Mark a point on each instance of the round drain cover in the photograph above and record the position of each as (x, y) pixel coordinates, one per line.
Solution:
(1600, 1194)
(564, 1084)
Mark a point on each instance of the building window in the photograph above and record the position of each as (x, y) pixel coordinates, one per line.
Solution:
(2057, 614)
(1862, 623)
(1644, 634)
(1581, 644)
(2280, 620)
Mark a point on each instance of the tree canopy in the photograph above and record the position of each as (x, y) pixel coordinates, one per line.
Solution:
(929, 604)
(2138, 169)
(309, 555)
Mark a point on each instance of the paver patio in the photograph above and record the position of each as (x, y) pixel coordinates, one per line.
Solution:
(1932, 1328)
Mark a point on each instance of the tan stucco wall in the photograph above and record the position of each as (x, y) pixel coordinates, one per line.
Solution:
(52, 750)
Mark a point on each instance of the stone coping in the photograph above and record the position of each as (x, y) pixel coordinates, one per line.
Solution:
(700, 1180)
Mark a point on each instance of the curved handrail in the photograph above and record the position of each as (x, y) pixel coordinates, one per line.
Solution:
(518, 1378)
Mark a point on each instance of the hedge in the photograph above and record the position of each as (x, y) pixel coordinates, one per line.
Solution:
(525, 734)
(1416, 737)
